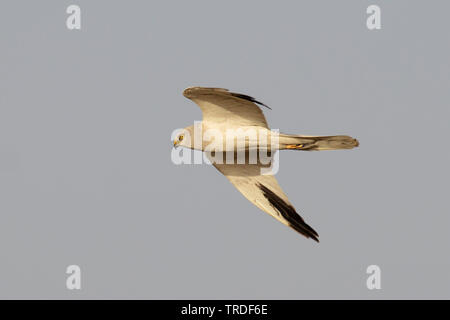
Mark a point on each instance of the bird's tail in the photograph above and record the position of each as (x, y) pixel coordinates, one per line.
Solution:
(310, 143)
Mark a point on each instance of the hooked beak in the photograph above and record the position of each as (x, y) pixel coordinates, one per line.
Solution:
(175, 143)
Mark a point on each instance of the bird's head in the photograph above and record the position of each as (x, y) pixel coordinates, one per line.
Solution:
(184, 137)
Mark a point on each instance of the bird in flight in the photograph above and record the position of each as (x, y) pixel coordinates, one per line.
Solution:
(224, 111)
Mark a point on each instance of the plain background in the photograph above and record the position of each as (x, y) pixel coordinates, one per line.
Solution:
(86, 176)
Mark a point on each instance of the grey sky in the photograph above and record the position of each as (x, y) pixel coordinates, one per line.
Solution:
(85, 170)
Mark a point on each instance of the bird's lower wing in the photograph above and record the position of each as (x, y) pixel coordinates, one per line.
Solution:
(265, 193)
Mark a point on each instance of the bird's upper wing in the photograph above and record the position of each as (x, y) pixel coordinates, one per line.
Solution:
(264, 192)
(225, 108)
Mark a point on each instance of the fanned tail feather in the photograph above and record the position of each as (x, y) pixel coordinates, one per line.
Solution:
(311, 143)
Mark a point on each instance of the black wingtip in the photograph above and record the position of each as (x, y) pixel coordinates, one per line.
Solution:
(248, 98)
(288, 212)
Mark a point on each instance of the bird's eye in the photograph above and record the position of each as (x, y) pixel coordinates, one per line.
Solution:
(180, 138)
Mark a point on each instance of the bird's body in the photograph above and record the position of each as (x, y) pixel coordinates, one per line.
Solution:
(234, 124)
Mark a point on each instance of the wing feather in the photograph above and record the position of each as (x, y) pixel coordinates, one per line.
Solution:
(265, 193)
(221, 107)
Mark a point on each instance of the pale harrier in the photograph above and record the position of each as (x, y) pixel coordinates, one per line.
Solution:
(223, 110)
